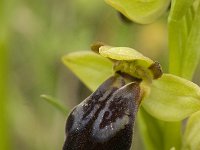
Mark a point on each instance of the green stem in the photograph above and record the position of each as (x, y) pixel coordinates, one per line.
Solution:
(4, 134)
(4, 129)
(174, 47)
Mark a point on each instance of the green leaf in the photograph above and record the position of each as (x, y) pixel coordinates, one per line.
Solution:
(55, 104)
(179, 9)
(184, 37)
(172, 98)
(192, 133)
(191, 54)
(89, 67)
(141, 11)
(180, 22)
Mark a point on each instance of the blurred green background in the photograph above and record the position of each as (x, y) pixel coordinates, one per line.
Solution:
(34, 35)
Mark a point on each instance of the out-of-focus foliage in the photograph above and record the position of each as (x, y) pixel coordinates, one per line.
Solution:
(4, 138)
(38, 33)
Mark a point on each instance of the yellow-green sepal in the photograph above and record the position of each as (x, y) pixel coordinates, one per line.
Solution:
(90, 68)
(172, 98)
(140, 11)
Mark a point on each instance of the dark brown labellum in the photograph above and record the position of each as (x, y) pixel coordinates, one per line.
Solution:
(104, 120)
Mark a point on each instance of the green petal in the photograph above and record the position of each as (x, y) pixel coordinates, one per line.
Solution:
(132, 62)
(141, 11)
(123, 53)
(89, 67)
(172, 98)
(192, 133)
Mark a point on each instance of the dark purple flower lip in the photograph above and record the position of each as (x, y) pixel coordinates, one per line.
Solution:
(105, 119)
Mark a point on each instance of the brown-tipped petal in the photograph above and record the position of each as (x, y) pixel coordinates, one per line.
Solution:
(95, 46)
(105, 119)
(156, 70)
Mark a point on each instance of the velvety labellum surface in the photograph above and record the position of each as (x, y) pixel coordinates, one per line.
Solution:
(105, 119)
